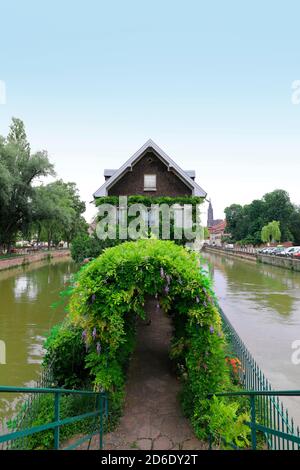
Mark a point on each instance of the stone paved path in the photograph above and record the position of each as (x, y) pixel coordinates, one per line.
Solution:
(152, 417)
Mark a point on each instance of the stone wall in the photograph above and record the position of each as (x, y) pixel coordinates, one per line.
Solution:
(288, 263)
(28, 259)
(232, 253)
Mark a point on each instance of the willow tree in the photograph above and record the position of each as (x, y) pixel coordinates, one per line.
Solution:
(19, 169)
(271, 232)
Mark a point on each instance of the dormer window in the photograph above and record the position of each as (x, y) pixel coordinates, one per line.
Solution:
(149, 182)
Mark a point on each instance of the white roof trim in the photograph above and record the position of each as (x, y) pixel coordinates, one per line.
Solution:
(109, 172)
(196, 189)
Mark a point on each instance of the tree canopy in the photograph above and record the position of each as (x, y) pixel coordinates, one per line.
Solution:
(23, 204)
(56, 212)
(245, 223)
(271, 232)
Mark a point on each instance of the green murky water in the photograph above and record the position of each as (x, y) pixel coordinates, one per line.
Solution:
(263, 304)
(26, 296)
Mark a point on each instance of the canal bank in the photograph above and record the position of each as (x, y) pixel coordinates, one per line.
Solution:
(281, 262)
(26, 259)
(263, 304)
(231, 253)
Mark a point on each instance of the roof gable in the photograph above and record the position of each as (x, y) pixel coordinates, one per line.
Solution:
(150, 145)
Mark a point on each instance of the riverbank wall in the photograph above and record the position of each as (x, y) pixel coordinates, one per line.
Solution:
(287, 263)
(281, 262)
(32, 258)
(232, 253)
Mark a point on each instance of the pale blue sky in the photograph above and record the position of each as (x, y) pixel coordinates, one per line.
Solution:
(209, 82)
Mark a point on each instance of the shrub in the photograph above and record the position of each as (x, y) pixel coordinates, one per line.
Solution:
(65, 352)
(85, 246)
(110, 293)
(42, 412)
(227, 423)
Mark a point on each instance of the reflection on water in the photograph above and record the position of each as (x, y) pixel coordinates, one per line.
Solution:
(272, 288)
(25, 287)
(26, 296)
(263, 304)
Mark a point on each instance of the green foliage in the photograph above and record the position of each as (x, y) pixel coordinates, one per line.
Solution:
(271, 232)
(234, 220)
(65, 355)
(206, 233)
(42, 411)
(227, 423)
(148, 201)
(19, 169)
(109, 294)
(245, 223)
(85, 246)
(295, 225)
(56, 212)
(91, 247)
(49, 213)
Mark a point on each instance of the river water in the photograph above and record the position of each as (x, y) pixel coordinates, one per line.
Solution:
(261, 301)
(26, 315)
(263, 304)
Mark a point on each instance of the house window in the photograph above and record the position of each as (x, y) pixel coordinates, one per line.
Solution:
(149, 182)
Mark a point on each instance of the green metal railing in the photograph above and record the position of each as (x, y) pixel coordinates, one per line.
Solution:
(270, 411)
(282, 438)
(23, 431)
(29, 406)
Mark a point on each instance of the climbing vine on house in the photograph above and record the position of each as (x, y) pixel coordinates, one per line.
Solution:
(148, 203)
(109, 294)
(85, 246)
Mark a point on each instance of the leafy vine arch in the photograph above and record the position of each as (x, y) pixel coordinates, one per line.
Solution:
(109, 294)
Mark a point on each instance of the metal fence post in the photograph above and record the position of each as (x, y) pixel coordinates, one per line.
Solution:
(101, 423)
(253, 422)
(56, 418)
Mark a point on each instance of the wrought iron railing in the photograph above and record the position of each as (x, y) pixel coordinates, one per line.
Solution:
(270, 411)
(282, 438)
(16, 439)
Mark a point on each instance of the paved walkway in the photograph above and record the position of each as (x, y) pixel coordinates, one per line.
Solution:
(152, 417)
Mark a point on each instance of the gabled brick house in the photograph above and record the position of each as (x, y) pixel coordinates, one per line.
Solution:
(150, 172)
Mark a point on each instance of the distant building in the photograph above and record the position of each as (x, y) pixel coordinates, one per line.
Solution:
(210, 215)
(211, 222)
(216, 227)
(217, 232)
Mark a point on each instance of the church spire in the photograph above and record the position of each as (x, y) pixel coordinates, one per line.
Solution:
(210, 215)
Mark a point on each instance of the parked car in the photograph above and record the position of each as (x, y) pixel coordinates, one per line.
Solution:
(296, 253)
(286, 251)
(291, 250)
(272, 250)
(267, 250)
